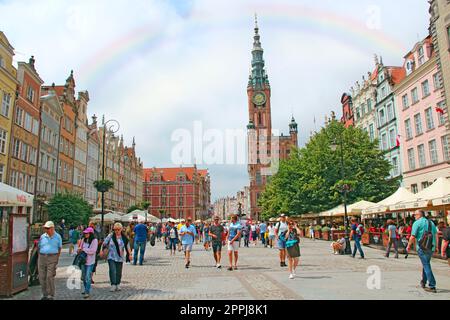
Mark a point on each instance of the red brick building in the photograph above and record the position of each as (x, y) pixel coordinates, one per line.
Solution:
(177, 192)
(347, 110)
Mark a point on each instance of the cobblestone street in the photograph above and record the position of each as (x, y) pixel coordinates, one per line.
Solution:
(320, 275)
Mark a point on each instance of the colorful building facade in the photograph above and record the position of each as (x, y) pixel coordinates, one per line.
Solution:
(424, 139)
(8, 91)
(348, 118)
(177, 192)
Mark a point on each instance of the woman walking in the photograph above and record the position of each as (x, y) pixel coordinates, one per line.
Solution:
(292, 247)
(172, 238)
(206, 237)
(117, 249)
(393, 238)
(234, 232)
(88, 245)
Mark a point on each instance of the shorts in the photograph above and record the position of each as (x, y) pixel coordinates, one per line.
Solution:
(271, 237)
(217, 246)
(233, 246)
(187, 247)
(254, 235)
(281, 244)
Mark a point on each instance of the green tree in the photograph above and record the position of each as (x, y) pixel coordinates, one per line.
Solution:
(70, 207)
(311, 179)
(103, 185)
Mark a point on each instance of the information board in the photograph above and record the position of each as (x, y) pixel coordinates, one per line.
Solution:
(20, 234)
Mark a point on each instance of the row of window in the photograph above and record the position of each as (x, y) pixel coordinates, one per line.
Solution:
(386, 116)
(47, 162)
(425, 91)
(65, 172)
(22, 181)
(3, 140)
(429, 121)
(66, 147)
(45, 186)
(25, 120)
(24, 152)
(49, 136)
(433, 152)
(80, 155)
(363, 109)
(79, 177)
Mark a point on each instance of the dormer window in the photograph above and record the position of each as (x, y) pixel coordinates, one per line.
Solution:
(421, 56)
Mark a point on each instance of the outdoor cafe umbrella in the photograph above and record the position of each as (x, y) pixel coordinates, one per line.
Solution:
(10, 196)
(133, 217)
(384, 205)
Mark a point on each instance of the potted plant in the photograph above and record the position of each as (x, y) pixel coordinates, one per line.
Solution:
(317, 232)
(326, 233)
(103, 185)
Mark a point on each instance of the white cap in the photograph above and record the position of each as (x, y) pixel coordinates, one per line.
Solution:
(49, 224)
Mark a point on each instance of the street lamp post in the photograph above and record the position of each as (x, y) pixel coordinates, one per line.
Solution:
(345, 190)
(112, 126)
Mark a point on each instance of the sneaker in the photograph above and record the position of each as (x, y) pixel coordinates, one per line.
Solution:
(291, 276)
(118, 288)
(44, 298)
(432, 290)
(112, 289)
(186, 266)
(230, 268)
(86, 296)
(235, 268)
(219, 266)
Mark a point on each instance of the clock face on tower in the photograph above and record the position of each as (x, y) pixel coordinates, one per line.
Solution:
(259, 98)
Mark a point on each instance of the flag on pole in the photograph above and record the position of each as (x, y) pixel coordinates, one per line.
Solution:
(398, 140)
(440, 110)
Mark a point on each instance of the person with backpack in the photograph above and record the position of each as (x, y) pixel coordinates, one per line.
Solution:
(424, 234)
(116, 249)
(281, 229)
(88, 249)
(172, 237)
(293, 247)
(140, 242)
(393, 238)
(356, 234)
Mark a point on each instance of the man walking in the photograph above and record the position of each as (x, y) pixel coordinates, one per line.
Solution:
(187, 234)
(280, 231)
(49, 246)
(216, 232)
(262, 232)
(357, 232)
(140, 242)
(424, 234)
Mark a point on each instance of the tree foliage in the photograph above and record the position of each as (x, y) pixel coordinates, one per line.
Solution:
(311, 179)
(70, 207)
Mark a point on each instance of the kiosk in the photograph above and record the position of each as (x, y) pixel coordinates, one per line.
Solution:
(15, 214)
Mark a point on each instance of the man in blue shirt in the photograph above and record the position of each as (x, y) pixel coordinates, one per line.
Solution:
(140, 241)
(262, 231)
(187, 234)
(49, 246)
(356, 234)
(420, 226)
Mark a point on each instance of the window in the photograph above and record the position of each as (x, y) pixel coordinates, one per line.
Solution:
(429, 118)
(414, 95)
(6, 104)
(363, 110)
(436, 81)
(28, 122)
(411, 159)
(369, 105)
(2, 62)
(395, 168)
(30, 94)
(408, 129)
(1, 173)
(414, 188)
(358, 113)
(425, 88)
(371, 132)
(382, 118)
(433, 151)
(390, 112)
(421, 56)
(421, 152)
(383, 92)
(35, 127)
(3, 141)
(384, 142)
(418, 124)
(18, 118)
(24, 152)
(441, 116)
(405, 101)
(445, 147)
(425, 185)
(392, 138)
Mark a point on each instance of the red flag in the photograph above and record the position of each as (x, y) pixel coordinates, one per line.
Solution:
(398, 141)
(440, 110)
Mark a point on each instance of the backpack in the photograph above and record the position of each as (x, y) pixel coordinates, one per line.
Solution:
(426, 242)
(360, 230)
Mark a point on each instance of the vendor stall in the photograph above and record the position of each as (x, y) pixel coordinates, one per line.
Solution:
(15, 216)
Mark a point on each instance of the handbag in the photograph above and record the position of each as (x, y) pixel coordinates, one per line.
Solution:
(291, 243)
(80, 259)
(152, 240)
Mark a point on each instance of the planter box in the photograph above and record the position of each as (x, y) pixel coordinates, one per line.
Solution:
(375, 238)
(385, 240)
(365, 239)
(317, 234)
(326, 235)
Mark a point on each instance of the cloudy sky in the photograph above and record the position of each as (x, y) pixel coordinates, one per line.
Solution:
(158, 66)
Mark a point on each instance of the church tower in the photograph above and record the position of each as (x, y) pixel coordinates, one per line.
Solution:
(262, 146)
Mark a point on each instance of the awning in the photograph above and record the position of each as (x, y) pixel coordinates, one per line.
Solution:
(10, 196)
(384, 205)
(438, 194)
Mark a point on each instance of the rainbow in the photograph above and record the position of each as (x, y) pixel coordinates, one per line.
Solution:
(350, 32)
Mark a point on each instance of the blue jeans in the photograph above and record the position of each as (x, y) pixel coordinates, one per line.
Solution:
(263, 240)
(139, 247)
(427, 273)
(86, 275)
(115, 272)
(173, 244)
(357, 247)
